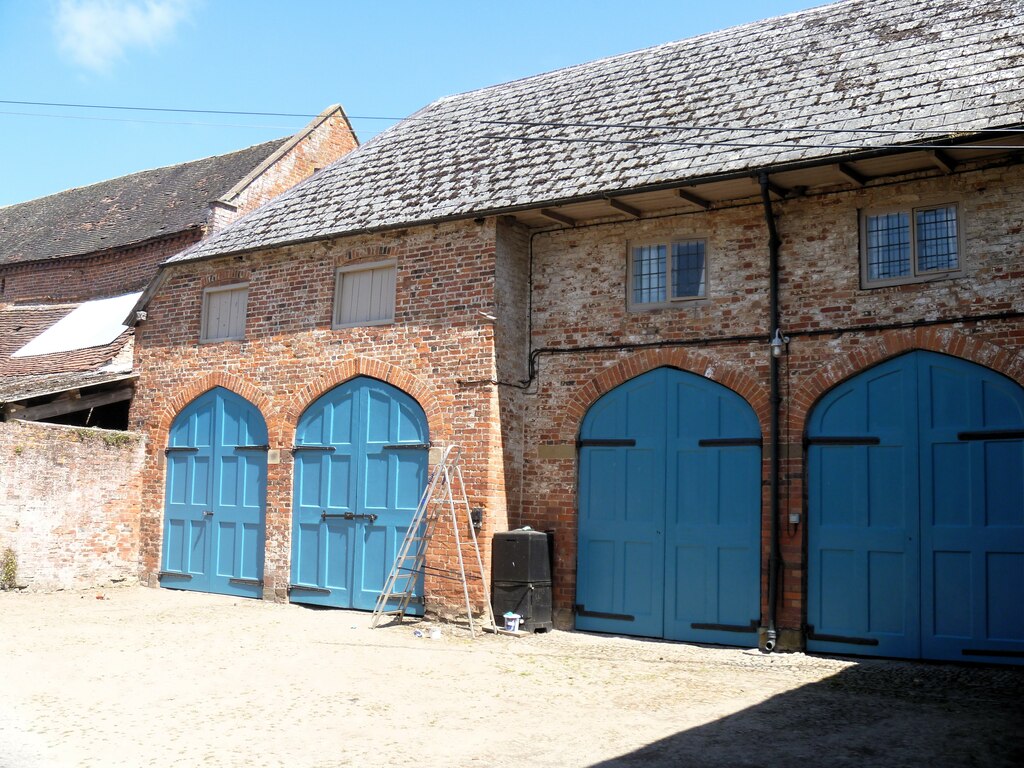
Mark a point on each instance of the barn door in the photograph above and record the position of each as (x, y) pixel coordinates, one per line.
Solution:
(916, 513)
(360, 467)
(669, 512)
(216, 495)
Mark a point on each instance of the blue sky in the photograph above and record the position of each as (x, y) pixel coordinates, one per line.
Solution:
(375, 58)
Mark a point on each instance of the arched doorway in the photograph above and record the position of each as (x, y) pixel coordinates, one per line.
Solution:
(670, 512)
(916, 513)
(360, 468)
(215, 503)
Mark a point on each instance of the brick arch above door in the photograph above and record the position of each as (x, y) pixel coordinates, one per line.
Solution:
(693, 361)
(199, 386)
(878, 349)
(375, 369)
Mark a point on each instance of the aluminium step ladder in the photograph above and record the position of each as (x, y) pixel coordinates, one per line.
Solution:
(443, 499)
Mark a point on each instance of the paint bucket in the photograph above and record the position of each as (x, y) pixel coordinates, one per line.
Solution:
(512, 621)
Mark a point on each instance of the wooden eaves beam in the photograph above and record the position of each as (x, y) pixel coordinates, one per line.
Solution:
(943, 161)
(778, 190)
(561, 218)
(70, 405)
(625, 208)
(852, 174)
(690, 197)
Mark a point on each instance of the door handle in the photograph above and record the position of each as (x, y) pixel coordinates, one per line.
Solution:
(325, 515)
(207, 513)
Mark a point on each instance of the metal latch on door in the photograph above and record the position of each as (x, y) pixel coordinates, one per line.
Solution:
(325, 515)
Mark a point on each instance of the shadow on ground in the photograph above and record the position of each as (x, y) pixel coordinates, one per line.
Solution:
(877, 713)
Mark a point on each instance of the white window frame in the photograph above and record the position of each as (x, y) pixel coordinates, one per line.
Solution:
(339, 276)
(203, 338)
(915, 275)
(670, 300)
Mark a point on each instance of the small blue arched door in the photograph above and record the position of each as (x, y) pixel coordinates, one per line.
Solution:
(915, 532)
(360, 468)
(214, 513)
(670, 512)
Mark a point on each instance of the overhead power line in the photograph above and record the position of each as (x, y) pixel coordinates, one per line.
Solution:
(516, 123)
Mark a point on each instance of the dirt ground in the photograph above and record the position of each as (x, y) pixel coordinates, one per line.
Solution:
(147, 677)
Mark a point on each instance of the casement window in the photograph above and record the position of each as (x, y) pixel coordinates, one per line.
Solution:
(662, 273)
(224, 313)
(364, 294)
(910, 245)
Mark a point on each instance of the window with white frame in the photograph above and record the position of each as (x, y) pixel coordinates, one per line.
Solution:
(661, 273)
(910, 244)
(364, 294)
(224, 313)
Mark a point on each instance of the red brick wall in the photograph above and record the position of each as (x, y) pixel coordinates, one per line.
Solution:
(465, 368)
(69, 500)
(108, 274)
(438, 345)
(579, 300)
(318, 149)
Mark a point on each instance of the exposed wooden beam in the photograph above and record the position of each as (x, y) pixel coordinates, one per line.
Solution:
(60, 407)
(778, 190)
(852, 174)
(692, 198)
(626, 208)
(944, 162)
(561, 218)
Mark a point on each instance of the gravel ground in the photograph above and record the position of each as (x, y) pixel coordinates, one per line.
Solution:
(143, 677)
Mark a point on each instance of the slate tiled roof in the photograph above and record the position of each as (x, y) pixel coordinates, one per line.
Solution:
(122, 211)
(912, 65)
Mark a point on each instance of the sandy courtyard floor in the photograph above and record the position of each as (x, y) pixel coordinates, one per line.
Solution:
(159, 678)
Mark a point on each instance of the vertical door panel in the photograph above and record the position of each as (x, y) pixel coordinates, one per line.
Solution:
(365, 493)
(859, 533)
(669, 529)
(943, 502)
(216, 490)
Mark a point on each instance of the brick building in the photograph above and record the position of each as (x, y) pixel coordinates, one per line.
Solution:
(72, 266)
(72, 260)
(738, 318)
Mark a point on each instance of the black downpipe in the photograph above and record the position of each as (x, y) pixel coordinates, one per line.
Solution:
(775, 401)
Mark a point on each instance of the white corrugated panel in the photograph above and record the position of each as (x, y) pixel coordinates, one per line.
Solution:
(93, 324)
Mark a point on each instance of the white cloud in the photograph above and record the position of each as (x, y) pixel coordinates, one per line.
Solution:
(96, 33)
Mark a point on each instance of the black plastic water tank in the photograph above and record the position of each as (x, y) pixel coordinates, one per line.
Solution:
(521, 577)
(521, 557)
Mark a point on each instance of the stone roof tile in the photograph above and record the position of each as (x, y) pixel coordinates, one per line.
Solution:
(627, 121)
(122, 211)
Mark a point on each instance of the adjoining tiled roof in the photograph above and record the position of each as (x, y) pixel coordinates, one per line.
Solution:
(41, 385)
(119, 212)
(20, 324)
(911, 65)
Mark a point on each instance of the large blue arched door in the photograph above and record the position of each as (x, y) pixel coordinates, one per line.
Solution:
(360, 467)
(916, 513)
(214, 513)
(670, 512)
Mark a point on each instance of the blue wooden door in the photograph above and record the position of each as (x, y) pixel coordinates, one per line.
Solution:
(916, 513)
(669, 512)
(214, 514)
(360, 467)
